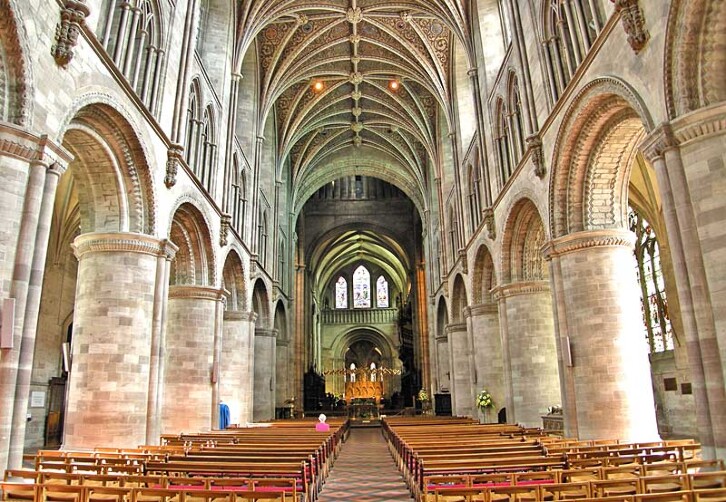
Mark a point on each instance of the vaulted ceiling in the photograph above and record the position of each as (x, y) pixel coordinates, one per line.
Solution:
(349, 80)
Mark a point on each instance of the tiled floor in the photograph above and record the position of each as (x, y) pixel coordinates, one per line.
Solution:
(364, 471)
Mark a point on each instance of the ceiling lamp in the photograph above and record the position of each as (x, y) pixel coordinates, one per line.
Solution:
(394, 85)
(318, 85)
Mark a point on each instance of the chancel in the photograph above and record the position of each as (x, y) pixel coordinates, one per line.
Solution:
(362, 208)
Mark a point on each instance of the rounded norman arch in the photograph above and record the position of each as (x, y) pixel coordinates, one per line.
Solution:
(233, 281)
(593, 153)
(459, 300)
(113, 175)
(194, 263)
(16, 79)
(522, 241)
(261, 304)
(483, 277)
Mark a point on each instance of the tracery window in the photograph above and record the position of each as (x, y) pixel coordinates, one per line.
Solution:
(474, 197)
(262, 238)
(361, 288)
(206, 160)
(517, 129)
(382, 293)
(503, 142)
(131, 35)
(341, 293)
(654, 304)
(193, 124)
(570, 28)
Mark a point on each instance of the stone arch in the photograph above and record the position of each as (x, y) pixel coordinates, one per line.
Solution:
(363, 333)
(113, 175)
(441, 351)
(194, 261)
(16, 80)
(280, 321)
(459, 300)
(522, 241)
(695, 55)
(484, 277)
(233, 280)
(592, 157)
(261, 304)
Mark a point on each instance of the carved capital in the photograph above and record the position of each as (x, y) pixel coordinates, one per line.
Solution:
(633, 21)
(520, 288)
(588, 239)
(490, 223)
(484, 309)
(72, 15)
(534, 144)
(174, 157)
(122, 243)
(224, 229)
(197, 293)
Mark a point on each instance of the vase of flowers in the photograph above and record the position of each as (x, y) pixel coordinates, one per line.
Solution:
(484, 403)
(423, 398)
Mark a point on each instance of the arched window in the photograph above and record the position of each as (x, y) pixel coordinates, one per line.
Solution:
(503, 141)
(208, 150)
(474, 197)
(454, 234)
(361, 288)
(341, 293)
(570, 28)
(262, 238)
(193, 124)
(281, 274)
(517, 129)
(382, 293)
(657, 324)
(131, 35)
(242, 203)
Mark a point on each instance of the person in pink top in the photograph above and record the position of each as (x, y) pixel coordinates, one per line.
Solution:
(322, 426)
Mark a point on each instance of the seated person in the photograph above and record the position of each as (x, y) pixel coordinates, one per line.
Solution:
(321, 426)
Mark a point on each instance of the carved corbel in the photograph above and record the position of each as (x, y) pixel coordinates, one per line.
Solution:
(633, 22)
(173, 159)
(72, 15)
(534, 143)
(462, 259)
(489, 222)
(224, 229)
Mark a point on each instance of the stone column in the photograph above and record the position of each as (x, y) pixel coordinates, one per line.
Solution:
(607, 387)
(112, 330)
(282, 371)
(265, 361)
(235, 387)
(443, 361)
(158, 343)
(528, 346)
(689, 158)
(188, 381)
(488, 353)
(462, 403)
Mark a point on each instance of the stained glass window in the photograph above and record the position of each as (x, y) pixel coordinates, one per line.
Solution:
(341, 293)
(361, 288)
(382, 293)
(654, 305)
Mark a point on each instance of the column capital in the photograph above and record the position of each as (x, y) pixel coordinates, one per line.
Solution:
(197, 292)
(588, 239)
(123, 242)
(455, 327)
(18, 142)
(266, 332)
(520, 288)
(706, 121)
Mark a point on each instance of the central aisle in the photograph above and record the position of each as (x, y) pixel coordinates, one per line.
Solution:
(364, 471)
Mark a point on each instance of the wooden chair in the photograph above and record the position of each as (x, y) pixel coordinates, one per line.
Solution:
(519, 493)
(460, 494)
(710, 495)
(664, 484)
(614, 487)
(255, 495)
(18, 491)
(707, 480)
(199, 495)
(62, 493)
(99, 493)
(566, 491)
(146, 494)
(684, 496)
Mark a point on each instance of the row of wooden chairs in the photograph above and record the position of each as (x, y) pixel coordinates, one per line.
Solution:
(518, 494)
(23, 492)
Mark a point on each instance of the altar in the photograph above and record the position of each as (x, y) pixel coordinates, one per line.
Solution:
(364, 389)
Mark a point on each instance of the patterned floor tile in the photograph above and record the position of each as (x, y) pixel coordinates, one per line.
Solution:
(365, 472)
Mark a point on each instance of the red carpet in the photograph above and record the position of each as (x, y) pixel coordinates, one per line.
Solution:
(364, 471)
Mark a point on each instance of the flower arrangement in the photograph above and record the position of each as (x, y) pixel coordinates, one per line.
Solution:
(484, 400)
(422, 396)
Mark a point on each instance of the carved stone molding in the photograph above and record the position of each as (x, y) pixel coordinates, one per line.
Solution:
(588, 239)
(484, 309)
(455, 327)
(463, 261)
(236, 315)
(72, 16)
(197, 293)
(520, 288)
(224, 229)
(534, 143)
(123, 243)
(633, 21)
(174, 157)
(490, 223)
(18, 143)
(687, 128)
(266, 332)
